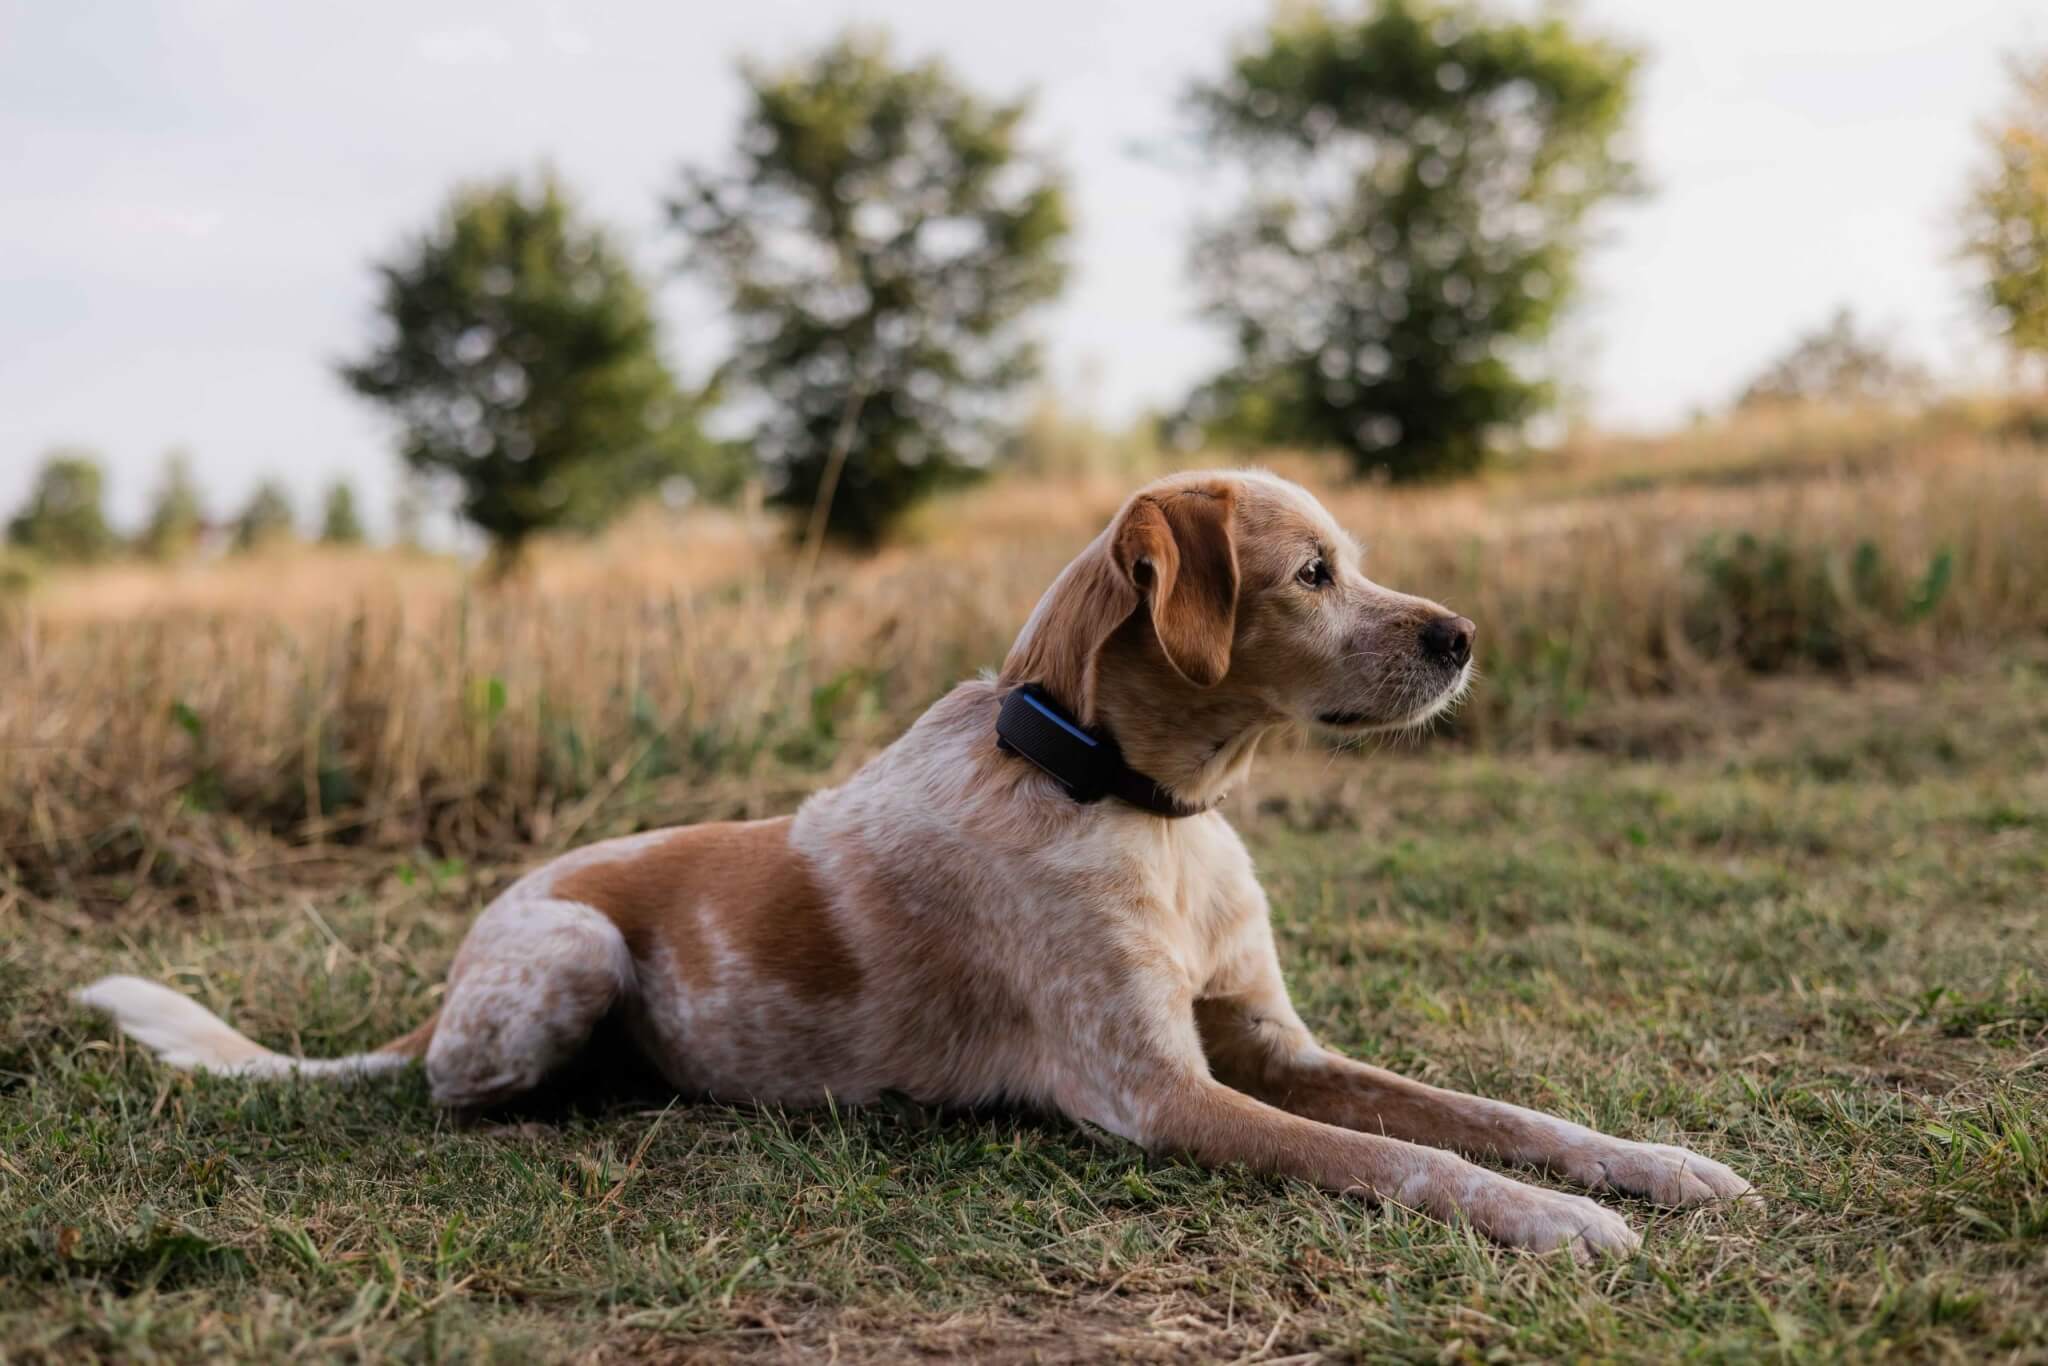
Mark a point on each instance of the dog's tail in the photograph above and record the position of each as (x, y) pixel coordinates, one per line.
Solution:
(190, 1037)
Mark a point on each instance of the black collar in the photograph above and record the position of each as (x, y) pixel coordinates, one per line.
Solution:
(1087, 764)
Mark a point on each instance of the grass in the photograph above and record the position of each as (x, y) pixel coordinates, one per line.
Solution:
(1807, 938)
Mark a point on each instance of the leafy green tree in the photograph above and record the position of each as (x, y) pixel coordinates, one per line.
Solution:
(65, 519)
(879, 240)
(266, 518)
(339, 524)
(520, 357)
(2005, 218)
(176, 517)
(1414, 182)
(1837, 363)
(409, 514)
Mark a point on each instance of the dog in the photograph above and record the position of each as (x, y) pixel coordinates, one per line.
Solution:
(1029, 898)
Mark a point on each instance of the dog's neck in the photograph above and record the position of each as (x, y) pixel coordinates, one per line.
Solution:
(1197, 743)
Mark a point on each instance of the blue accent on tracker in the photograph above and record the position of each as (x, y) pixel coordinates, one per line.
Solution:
(1062, 722)
(1033, 723)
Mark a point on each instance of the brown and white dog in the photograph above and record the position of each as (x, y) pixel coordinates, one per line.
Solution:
(952, 924)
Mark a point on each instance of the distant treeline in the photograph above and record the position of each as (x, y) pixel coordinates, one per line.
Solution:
(64, 520)
(1399, 198)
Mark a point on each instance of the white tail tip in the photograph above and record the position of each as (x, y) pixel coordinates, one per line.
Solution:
(185, 1035)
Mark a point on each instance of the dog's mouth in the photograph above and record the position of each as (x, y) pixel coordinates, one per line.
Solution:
(1419, 715)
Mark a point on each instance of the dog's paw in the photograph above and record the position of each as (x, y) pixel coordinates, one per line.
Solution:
(1659, 1172)
(1521, 1215)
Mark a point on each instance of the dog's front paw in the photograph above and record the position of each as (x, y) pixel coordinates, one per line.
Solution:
(1541, 1220)
(1659, 1172)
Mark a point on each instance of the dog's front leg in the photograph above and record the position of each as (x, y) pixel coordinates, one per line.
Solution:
(1268, 1054)
(1142, 1074)
(1195, 1116)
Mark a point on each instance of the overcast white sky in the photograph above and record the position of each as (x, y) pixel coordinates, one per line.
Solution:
(190, 193)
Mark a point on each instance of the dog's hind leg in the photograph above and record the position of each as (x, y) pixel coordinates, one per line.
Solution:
(530, 984)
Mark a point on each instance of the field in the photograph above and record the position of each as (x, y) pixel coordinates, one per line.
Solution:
(1744, 843)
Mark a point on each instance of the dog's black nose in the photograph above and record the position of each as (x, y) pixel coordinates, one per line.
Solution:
(1448, 640)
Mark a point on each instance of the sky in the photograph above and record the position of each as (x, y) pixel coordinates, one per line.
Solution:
(192, 192)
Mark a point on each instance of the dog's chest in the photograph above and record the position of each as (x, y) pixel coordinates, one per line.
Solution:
(1185, 891)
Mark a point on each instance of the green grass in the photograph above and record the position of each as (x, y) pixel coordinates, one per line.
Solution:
(1811, 945)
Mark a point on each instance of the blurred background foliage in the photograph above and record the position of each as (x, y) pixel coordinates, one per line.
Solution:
(339, 522)
(1402, 194)
(266, 518)
(1416, 182)
(880, 239)
(2005, 223)
(65, 517)
(1408, 188)
(1839, 363)
(177, 518)
(521, 361)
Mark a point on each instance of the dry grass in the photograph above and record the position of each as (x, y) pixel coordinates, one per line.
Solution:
(163, 733)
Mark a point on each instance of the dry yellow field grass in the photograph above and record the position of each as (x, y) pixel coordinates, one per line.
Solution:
(162, 728)
(1791, 915)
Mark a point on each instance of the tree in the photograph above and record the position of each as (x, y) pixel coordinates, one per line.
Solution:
(2005, 218)
(521, 360)
(176, 519)
(266, 518)
(65, 518)
(1836, 363)
(409, 514)
(1415, 183)
(879, 241)
(339, 524)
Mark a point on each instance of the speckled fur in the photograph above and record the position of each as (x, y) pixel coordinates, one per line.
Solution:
(948, 924)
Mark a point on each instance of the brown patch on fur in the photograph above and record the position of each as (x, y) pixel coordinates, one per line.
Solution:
(413, 1043)
(757, 890)
(649, 897)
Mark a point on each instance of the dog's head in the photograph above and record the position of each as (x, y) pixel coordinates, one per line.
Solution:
(1219, 605)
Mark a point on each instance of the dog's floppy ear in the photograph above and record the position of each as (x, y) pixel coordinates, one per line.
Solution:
(1059, 646)
(1178, 549)
(1172, 553)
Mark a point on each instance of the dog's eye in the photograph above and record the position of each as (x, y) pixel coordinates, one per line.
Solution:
(1314, 574)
